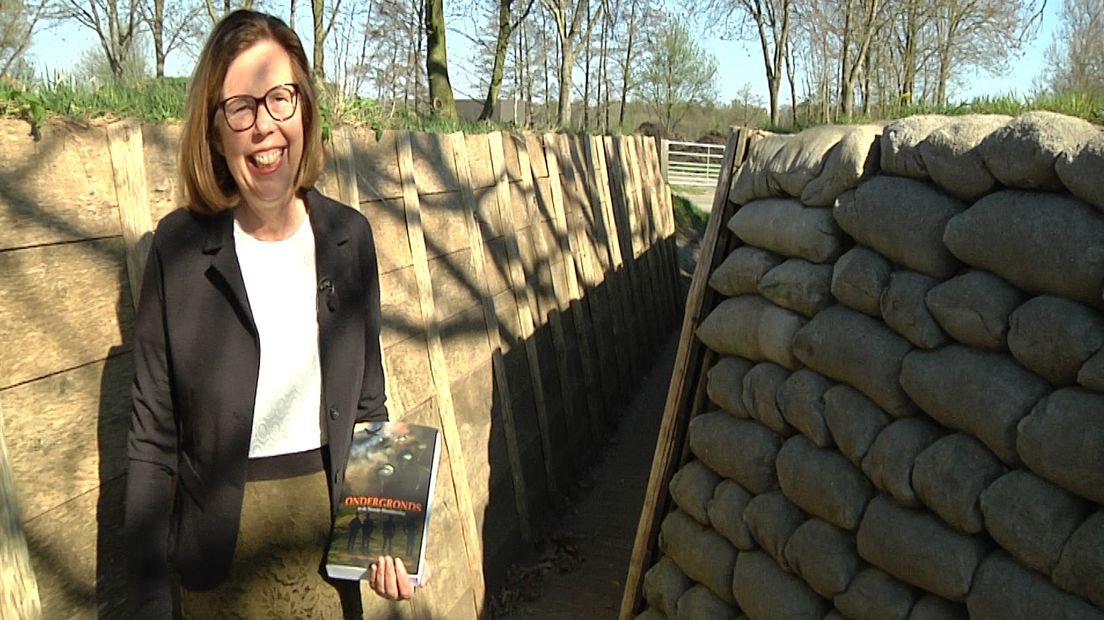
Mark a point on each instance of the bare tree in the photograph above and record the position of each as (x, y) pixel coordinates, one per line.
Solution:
(115, 23)
(572, 33)
(170, 27)
(18, 21)
(322, 28)
(442, 101)
(1075, 56)
(861, 19)
(508, 20)
(771, 23)
(226, 6)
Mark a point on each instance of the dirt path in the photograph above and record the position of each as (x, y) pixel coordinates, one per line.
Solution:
(585, 562)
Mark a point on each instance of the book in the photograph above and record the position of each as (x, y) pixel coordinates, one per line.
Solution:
(385, 501)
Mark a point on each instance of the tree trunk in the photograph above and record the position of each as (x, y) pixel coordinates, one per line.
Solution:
(501, 45)
(440, 89)
(18, 588)
(567, 64)
(291, 14)
(625, 74)
(317, 10)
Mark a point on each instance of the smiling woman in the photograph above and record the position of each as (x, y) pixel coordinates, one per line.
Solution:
(244, 397)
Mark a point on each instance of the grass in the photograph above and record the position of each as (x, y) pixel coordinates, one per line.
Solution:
(690, 222)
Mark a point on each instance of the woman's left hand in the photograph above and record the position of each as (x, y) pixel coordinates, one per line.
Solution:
(390, 580)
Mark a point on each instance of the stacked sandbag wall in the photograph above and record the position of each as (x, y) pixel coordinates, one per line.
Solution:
(906, 402)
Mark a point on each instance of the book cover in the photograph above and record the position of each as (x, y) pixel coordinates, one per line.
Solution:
(384, 507)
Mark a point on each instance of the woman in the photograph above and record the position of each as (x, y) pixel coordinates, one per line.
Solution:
(256, 349)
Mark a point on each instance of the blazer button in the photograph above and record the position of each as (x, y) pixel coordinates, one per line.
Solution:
(334, 413)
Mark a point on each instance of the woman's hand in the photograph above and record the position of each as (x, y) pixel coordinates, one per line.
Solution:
(390, 580)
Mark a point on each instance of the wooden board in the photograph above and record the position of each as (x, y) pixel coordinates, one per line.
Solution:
(460, 154)
(20, 599)
(439, 370)
(688, 359)
(61, 306)
(129, 169)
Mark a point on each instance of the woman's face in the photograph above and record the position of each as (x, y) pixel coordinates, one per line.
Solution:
(264, 158)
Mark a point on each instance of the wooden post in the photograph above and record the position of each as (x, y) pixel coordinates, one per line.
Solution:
(657, 212)
(129, 169)
(622, 208)
(672, 431)
(18, 587)
(498, 365)
(522, 295)
(559, 338)
(619, 273)
(664, 157)
(646, 228)
(349, 192)
(569, 250)
(439, 371)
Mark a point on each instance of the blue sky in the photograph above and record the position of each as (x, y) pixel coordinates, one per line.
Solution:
(738, 62)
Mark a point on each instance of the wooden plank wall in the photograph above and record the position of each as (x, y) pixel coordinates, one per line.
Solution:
(522, 276)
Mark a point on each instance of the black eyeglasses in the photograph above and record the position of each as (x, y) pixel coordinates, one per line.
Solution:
(240, 111)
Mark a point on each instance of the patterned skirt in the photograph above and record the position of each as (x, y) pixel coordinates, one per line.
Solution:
(277, 568)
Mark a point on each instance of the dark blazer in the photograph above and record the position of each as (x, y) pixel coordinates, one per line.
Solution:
(196, 362)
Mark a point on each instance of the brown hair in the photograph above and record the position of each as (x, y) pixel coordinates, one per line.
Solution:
(205, 178)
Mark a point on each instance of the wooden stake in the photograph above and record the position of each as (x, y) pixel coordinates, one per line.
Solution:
(498, 365)
(672, 431)
(522, 295)
(18, 587)
(439, 371)
(128, 166)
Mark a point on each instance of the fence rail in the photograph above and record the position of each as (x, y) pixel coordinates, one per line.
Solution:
(692, 163)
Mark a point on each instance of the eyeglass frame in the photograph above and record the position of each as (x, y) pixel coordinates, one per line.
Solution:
(257, 103)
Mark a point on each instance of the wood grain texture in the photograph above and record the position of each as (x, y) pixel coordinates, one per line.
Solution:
(461, 154)
(55, 190)
(522, 296)
(160, 146)
(18, 586)
(682, 389)
(61, 306)
(129, 170)
(439, 369)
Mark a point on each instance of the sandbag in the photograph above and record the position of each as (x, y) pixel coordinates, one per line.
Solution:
(801, 401)
(692, 487)
(741, 270)
(979, 392)
(766, 592)
(951, 156)
(824, 556)
(787, 227)
(1022, 153)
(949, 477)
(1042, 243)
(904, 309)
(803, 156)
(664, 583)
(859, 278)
(651, 614)
(1091, 374)
(805, 472)
(890, 460)
(974, 308)
(752, 179)
(699, 603)
(743, 450)
(918, 548)
(853, 348)
(702, 554)
(761, 385)
(725, 384)
(855, 158)
(772, 519)
(853, 420)
(1081, 568)
(874, 593)
(1053, 337)
(799, 285)
(1080, 168)
(1062, 440)
(1005, 590)
(904, 220)
(1031, 518)
(901, 140)
(726, 513)
(754, 328)
(932, 607)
